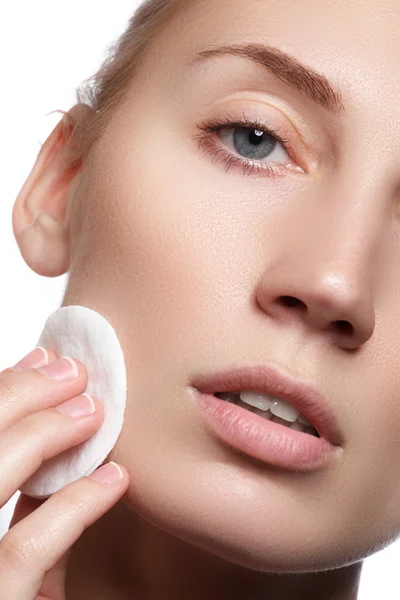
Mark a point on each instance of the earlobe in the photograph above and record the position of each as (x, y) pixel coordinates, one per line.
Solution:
(44, 246)
(40, 211)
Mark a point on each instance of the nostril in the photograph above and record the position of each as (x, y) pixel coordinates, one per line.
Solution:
(344, 326)
(290, 301)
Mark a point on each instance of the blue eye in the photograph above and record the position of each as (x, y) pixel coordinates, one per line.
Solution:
(254, 144)
(263, 149)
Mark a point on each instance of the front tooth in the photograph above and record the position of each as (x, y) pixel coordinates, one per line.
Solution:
(284, 410)
(261, 401)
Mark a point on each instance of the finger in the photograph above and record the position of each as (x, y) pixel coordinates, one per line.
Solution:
(37, 357)
(37, 543)
(53, 586)
(40, 436)
(24, 506)
(26, 391)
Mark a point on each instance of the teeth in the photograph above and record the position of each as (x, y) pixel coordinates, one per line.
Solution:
(261, 401)
(271, 408)
(284, 410)
(278, 407)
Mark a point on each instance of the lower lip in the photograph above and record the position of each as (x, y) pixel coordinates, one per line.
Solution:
(263, 439)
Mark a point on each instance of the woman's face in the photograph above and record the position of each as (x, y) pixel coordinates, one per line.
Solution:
(188, 253)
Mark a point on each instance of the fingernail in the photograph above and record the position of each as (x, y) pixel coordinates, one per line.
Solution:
(108, 473)
(63, 368)
(81, 406)
(37, 358)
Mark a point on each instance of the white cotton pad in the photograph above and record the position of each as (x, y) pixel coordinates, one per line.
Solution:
(83, 333)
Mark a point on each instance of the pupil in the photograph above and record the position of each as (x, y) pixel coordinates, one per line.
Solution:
(256, 138)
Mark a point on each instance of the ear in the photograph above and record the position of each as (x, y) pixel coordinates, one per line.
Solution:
(40, 215)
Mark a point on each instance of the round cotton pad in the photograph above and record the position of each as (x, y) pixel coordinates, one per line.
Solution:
(83, 333)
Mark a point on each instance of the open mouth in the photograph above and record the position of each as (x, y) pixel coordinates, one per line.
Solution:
(272, 409)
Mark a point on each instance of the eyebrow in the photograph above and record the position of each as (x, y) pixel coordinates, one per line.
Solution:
(290, 70)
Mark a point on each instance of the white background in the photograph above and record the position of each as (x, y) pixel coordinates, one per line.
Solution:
(47, 49)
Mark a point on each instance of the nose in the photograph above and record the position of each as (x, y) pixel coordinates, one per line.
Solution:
(310, 293)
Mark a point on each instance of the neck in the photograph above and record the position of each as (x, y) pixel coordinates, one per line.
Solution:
(123, 557)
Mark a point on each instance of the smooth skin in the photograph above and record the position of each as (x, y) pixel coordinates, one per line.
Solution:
(35, 550)
(193, 265)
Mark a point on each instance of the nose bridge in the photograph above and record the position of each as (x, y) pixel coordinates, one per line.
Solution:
(321, 272)
(349, 220)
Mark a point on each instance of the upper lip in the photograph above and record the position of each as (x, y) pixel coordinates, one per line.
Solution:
(271, 379)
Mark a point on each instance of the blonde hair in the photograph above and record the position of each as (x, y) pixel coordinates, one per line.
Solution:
(105, 90)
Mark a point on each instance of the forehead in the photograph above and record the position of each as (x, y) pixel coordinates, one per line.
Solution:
(343, 39)
(309, 22)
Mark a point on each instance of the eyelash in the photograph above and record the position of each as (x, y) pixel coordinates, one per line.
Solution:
(228, 122)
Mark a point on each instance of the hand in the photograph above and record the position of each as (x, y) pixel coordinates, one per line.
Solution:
(35, 550)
